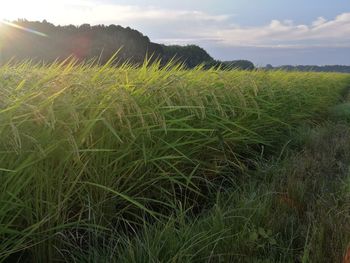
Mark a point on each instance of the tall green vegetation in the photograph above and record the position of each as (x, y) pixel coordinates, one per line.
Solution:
(89, 153)
(288, 209)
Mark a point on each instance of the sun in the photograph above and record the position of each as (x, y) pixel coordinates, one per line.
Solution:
(54, 11)
(26, 9)
(33, 10)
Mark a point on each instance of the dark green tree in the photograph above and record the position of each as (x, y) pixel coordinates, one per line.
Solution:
(191, 55)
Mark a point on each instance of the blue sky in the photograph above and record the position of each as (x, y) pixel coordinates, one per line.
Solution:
(253, 12)
(263, 31)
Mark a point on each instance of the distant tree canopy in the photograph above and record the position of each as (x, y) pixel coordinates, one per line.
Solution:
(326, 68)
(191, 55)
(229, 65)
(23, 41)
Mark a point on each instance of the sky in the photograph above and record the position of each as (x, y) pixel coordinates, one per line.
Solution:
(276, 32)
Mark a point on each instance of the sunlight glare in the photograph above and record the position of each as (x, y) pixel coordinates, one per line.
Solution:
(23, 28)
(30, 10)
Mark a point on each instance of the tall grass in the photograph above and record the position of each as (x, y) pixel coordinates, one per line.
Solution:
(86, 148)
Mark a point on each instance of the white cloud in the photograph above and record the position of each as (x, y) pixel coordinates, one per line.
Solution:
(320, 33)
(93, 12)
(319, 21)
(131, 14)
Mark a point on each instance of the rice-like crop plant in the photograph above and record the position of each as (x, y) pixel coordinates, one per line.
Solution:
(86, 148)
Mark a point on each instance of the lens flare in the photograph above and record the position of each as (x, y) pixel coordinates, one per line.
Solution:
(23, 28)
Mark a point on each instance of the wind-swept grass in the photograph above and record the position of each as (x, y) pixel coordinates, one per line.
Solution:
(293, 209)
(86, 148)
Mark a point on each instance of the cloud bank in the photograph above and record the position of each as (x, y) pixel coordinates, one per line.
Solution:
(279, 34)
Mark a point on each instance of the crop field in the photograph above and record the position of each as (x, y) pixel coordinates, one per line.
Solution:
(163, 164)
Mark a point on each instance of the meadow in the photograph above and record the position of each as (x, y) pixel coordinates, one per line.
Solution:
(163, 164)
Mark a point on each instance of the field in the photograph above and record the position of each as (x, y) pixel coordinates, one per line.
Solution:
(150, 164)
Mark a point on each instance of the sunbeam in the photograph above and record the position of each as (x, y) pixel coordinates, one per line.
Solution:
(23, 28)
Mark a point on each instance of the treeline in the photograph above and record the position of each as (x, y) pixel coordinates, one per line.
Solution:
(228, 65)
(83, 42)
(192, 56)
(45, 42)
(326, 68)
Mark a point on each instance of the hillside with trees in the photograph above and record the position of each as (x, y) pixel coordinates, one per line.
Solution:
(45, 42)
(83, 42)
